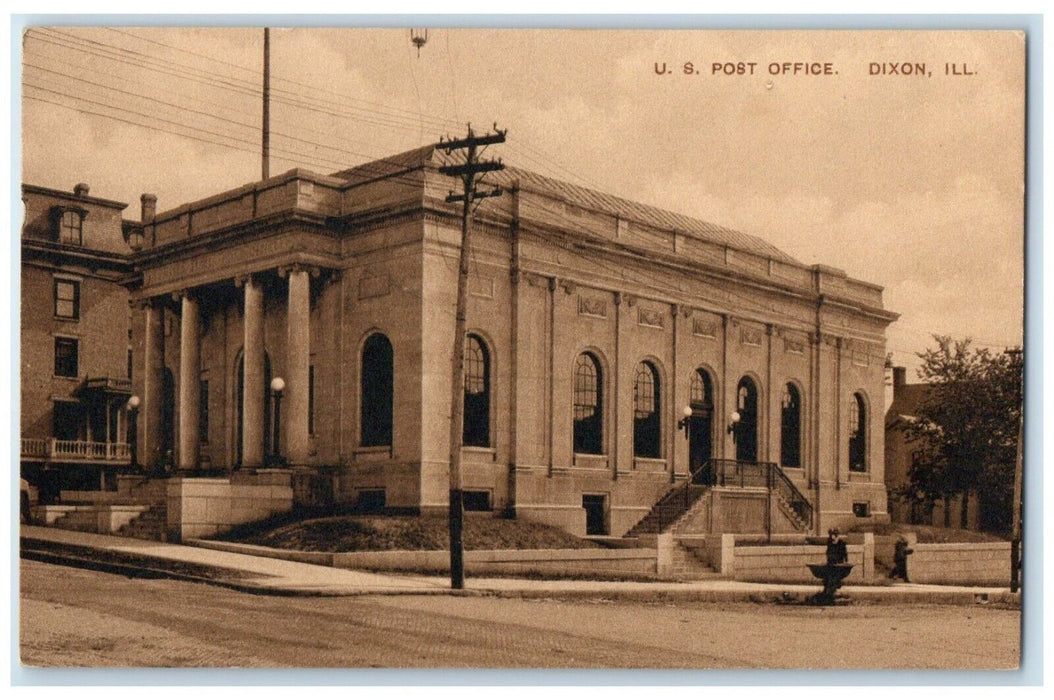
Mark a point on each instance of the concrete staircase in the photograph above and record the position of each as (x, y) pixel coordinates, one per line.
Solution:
(79, 518)
(670, 508)
(688, 564)
(150, 525)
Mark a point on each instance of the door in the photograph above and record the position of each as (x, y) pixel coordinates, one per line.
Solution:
(700, 441)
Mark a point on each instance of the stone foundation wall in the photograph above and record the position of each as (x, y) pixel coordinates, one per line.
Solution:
(200, 507)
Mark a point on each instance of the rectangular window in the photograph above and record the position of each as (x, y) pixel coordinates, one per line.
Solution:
(371, 501)
(203, 412)
(311, 400)
(476, 500)
(128, 369)
(67, 299)
(70, 227)
(862, 509)
(66, 357)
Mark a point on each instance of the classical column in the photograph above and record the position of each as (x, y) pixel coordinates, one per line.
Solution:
(253, 382)
(189, 383)
(153, 391)
(298, 365)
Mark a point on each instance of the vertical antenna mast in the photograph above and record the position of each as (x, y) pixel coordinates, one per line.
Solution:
(266, 145)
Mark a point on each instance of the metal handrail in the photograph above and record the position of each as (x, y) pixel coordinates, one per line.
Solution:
(733, 472)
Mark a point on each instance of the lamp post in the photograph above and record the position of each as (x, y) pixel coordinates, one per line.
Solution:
(133, 429)
(733, 423)
(277, 387)
(685, 422)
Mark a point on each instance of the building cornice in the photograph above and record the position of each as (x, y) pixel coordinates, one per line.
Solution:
(71, 197)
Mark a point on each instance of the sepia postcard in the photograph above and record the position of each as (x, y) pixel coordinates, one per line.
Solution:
(425, 347)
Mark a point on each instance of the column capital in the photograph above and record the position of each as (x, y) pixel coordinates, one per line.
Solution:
(240, 280)
(284, 270)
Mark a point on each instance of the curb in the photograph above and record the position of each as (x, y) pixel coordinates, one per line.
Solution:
(133, 571)
(876, 596)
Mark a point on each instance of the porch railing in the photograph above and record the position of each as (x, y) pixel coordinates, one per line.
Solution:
(768, 475)
(55, 449)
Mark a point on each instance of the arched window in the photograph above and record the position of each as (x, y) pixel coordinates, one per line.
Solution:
(857, 434)
(746, 430)
(790, 427)
(589, 406)
(377, 390)
(647, 417)
(701, 392)
(476, 429)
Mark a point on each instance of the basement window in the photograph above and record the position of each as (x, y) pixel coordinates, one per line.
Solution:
(862, 509)
(476, 500)
(371, 500)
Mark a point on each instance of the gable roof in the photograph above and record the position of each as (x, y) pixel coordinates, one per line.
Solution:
(577, 195)
(906, 401)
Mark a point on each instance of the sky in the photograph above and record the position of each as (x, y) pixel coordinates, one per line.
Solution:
(911, 182)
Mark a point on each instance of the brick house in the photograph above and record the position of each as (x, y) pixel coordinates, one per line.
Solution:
(617, 354)
(901, 452)
(75, 340)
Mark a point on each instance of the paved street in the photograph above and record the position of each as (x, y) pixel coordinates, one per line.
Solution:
(75, 617)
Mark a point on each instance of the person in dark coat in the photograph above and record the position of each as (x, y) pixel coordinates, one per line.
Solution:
(900, 559)
(837, 552)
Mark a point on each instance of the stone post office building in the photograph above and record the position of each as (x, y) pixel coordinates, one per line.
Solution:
(610, 348)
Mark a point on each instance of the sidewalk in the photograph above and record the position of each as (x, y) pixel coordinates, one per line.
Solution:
(274, 576)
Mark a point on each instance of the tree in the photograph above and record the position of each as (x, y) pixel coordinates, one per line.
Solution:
(966, 429)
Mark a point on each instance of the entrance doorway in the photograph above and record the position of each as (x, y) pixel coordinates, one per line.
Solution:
(746, 430)
(701, 425)
(596, 513)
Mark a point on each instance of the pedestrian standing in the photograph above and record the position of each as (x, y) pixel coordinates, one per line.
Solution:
(901, 550)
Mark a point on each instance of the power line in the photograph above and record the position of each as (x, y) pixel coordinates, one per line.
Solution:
(387, 119)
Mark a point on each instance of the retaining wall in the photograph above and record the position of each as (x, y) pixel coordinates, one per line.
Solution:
(549, 561)
(978, 564)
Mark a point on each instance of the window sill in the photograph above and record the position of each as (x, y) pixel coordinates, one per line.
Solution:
(649, 464)
(373, 453)
(590, 461)
(67, 319)
(62, 376)
(488, 453)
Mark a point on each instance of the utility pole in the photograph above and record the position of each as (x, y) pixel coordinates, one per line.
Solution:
(266, 144)
(467, 172)
(1016, 526)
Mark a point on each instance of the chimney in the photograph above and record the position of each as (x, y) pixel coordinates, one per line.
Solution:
(149, 207)
(900, 378)
(80, 189)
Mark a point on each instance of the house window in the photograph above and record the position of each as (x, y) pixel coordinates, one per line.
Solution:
(857, 434)
(66, 357)
(377, 392)
(588, 406)
(311, 400)
(67, 299)
(476, 426)
(647, 434)
(862, 509)
(70, 225)
(128, 369)
(203, 411)
(790, 427)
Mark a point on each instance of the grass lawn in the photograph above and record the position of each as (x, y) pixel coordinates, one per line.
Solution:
(359, 533)
(928, 534)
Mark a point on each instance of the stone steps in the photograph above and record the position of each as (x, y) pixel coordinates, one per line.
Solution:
(151, 525)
